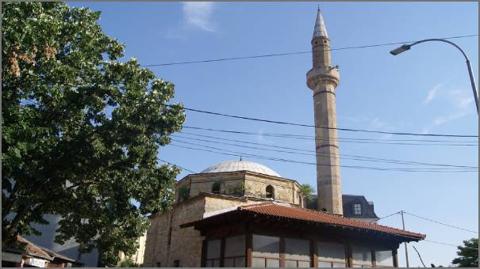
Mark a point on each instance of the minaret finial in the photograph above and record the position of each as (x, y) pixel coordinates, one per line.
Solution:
(319, 29)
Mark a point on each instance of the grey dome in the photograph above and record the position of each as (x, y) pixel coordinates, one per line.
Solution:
(230, 166)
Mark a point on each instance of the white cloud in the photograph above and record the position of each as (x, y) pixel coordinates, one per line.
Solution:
(462, 99)
(198, 15)
(462, 103)
(432, 93)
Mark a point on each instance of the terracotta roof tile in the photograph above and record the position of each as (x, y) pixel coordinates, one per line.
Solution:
(272, 209)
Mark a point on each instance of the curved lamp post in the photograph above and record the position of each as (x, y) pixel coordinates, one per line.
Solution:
(406, 47)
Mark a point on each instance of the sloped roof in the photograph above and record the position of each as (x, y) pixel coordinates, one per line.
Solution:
(307, 215)
(41, 252)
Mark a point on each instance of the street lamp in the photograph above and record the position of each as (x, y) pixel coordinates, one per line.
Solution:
(406, 47)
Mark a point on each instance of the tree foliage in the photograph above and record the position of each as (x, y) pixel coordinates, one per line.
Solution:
(307, 191)
(81, 130)
(467, 254)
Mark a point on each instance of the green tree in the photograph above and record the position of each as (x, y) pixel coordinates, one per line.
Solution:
(467, 254)
(307, 191)
(81, 130)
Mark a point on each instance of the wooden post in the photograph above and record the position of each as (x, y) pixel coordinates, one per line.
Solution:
(374, 258)
(203, 261)
(222, 251)
(349, 255)
(282, 252)
(313, 254)
(395, 258)
(248, 248)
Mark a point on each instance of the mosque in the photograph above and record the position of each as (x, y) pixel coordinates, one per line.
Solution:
(244, 214)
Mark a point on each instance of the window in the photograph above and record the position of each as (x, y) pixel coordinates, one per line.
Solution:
(357, 209)
(270, 192)
(234, 251)
(213, 253)
(297, 253)
(265, 251)
(216, 187)
(384, 258)
(361, 257)
(331, 254)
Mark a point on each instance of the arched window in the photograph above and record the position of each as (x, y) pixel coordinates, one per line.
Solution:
(270, 192)
(216, 187)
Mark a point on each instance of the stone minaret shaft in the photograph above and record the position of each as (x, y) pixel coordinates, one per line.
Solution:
(323, 78)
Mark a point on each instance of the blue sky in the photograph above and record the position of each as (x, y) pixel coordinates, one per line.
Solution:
(424, 90)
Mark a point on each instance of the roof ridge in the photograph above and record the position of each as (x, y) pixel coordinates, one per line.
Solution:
(355, 221)
(242, 207)
(361, 223)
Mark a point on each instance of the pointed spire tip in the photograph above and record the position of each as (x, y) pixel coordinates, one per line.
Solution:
(319, 29)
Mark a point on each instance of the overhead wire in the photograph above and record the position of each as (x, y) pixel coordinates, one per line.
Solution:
(291, 53)
(183, 168)
(244, 154)
(312, 153)
(326, 127)
(310, 138)
(441, 223)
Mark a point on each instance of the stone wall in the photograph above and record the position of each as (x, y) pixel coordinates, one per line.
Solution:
(183, 244)
(167, 242)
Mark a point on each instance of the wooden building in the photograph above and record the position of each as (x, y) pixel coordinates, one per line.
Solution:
(274, 235)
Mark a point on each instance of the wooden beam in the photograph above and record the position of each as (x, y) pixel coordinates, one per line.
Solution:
(248, 248)
(203, 261)
(374, 258)
(222, 251)
(282, 252)
(313, 254)
(395, 258)
(348, 256)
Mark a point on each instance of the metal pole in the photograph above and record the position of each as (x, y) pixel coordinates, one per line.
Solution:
(470, 72)
(405, 244)
(472, 82)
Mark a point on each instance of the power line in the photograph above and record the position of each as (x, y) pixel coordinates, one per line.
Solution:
(344, 156)
(352, 138)
(289, 53)
(387, 216)
(442, 223)
(325, 127)
(183, 168)
(346, 140)
(243, 154)
(447, 244)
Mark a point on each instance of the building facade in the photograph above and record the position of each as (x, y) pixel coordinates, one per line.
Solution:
(244, 214)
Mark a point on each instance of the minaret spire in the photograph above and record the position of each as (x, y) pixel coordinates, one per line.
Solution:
(319, 29)
(323, 78)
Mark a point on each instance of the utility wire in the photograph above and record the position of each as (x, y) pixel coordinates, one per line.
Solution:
(393, 214)
(309, 138)
(350, 138)
(183, 168)
(290, 53)
(240, 154)
(323, 127)
(312, 153)
(442, 223)
(447, 244)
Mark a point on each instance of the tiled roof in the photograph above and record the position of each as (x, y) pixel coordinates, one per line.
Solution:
(271, 209)
(41, 252)
(34, 250)
(288, 212)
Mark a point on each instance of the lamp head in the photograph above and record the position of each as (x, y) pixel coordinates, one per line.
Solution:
(400, 49)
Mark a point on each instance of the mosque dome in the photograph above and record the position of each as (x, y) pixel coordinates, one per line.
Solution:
(240, 165)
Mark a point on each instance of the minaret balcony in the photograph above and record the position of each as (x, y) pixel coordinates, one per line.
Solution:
(328, 74)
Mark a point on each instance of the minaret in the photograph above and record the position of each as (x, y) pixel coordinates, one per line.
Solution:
(323, 78)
